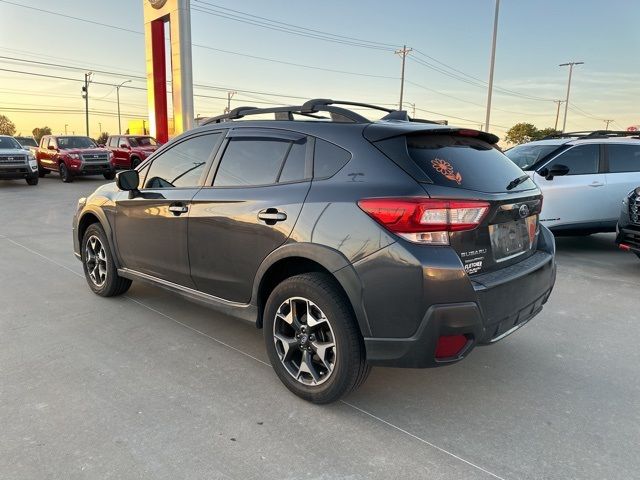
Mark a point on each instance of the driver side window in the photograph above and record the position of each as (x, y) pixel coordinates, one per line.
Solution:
(182, 165)
(581, 160)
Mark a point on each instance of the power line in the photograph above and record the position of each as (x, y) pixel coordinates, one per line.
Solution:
(297, 27)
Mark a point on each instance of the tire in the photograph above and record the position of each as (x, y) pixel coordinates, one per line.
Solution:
(98, 265)
(42, 172)
(110, 175)
(32, 180)
(135, 161)
(342, 367)
(65, 174)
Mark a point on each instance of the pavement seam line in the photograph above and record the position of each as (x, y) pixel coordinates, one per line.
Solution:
(195, 330)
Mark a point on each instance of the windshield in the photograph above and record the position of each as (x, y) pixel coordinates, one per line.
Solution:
(142, 142)
(66, 143)
(8, 143)
(529, 154)
(26, 141)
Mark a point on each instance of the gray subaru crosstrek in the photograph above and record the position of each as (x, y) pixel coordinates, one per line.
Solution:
(351, 242)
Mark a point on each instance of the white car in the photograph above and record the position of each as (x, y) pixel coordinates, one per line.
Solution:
(584, 177)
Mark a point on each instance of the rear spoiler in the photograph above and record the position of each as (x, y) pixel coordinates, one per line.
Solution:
(378, 131)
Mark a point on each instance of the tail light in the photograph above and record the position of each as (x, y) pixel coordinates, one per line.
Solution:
(423, 220)
(450, 345)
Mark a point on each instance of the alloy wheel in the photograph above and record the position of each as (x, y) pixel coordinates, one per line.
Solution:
(96, 260)
(304, 341)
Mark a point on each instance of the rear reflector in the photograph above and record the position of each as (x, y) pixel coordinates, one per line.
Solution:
(450, 345)
(624, 247)
(423, 220)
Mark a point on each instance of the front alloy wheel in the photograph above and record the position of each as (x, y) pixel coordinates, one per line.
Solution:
(96, 261)
(98, 265)
(304, 341)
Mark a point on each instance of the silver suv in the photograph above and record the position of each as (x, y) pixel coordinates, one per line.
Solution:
(17, 162)
(583, 176)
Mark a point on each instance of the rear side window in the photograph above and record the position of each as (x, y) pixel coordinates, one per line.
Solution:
(328, 159)
(581, 160)
(463, 162)
(624, 158)
(264, 161)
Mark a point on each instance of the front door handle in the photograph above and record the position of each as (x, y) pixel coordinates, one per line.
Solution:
(596, 184)
(178, 209)
(271, 216)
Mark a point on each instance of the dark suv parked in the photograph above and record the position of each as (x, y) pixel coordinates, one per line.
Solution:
(352, 243)
(628, 228)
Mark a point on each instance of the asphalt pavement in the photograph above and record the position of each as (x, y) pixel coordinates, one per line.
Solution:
(150, 386)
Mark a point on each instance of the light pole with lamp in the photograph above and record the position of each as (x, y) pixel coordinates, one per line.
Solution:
(118, 96)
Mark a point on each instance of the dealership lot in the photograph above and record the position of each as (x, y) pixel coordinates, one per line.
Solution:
(152, 386)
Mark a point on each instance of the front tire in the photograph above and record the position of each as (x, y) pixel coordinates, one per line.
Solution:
(135, 161)
(110, 175)
(312, 338)
(65, 174)
(99, 268)
(42, 172)
(32, 180)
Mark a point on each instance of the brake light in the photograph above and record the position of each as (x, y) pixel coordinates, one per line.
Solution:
(423, 220)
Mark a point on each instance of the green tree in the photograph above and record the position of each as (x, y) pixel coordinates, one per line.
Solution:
(7, 127)
(545, 132)
(40, 132)
(102, 139)
(521, 133)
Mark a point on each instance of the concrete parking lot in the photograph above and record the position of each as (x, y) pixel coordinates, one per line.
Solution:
(151, 386)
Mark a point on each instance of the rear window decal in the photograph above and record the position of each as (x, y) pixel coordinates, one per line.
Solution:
(446, 169)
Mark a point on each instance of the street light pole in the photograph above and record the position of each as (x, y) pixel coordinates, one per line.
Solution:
(118, 96)
(493, 61)
(566, 102)
(65, 128)
(85, 92)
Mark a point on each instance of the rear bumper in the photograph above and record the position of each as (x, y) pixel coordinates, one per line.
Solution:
(498, 304)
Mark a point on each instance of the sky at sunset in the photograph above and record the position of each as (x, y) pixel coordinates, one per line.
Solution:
(446, 72)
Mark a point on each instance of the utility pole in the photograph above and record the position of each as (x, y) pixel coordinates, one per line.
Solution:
(100, 127)
(413, 109)
(555, 127)
(118, 96)
(229, 97)
(566, 102)
(85, 95)
(607, 122)
(403, 53)
(491, 65)
(65, 128)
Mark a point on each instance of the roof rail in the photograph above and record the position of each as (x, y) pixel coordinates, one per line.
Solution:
(311, 108)
(594, 134)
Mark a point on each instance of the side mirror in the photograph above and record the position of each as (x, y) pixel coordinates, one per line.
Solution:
(128, 180)
(52, 147)
(556, 170)
(124, 145)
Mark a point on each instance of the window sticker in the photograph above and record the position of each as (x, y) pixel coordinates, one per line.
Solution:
(443, 167)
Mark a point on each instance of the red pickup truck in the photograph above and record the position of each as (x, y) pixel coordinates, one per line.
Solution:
(71, 156)
(130, 150)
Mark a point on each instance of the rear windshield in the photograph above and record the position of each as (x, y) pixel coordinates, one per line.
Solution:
(463, 162)
(527, 155)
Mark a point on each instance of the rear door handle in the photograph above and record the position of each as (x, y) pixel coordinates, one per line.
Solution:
(596, 184)
(271, 216)
(178, 209)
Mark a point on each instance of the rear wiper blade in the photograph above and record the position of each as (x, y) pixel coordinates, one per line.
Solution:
(514, 183)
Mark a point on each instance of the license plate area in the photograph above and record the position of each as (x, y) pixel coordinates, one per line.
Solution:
(510, 239)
